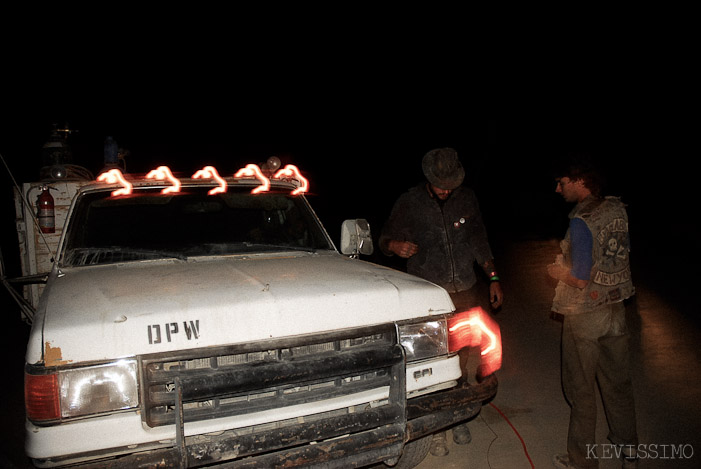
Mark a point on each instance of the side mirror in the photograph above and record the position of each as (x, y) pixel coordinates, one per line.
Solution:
(355, 238)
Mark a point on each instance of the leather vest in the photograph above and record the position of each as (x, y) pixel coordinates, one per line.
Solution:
(610, 278)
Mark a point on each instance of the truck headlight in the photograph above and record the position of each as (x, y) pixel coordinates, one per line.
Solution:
(424, 340)
(471, 328)
(82, 391)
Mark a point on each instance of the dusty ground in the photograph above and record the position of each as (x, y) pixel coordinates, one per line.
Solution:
(527, 421)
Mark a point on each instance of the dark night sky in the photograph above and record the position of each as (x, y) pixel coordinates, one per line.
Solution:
(362, 146)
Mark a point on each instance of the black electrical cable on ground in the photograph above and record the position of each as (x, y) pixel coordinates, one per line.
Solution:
(523, 443)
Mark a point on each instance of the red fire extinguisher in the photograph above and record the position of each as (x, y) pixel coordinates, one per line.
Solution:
(45, 203)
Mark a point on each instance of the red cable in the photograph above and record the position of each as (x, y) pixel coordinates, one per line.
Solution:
(523, 443)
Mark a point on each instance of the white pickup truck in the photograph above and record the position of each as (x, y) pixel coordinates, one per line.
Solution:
(203, 321)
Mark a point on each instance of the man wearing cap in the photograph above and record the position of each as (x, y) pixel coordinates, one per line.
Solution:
(437, 227)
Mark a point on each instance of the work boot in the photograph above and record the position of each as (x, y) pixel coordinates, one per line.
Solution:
(629, 459)
(562, 461)
(439, 445)
(461, 434)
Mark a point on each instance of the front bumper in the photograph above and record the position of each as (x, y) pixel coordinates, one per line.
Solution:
(350, 440)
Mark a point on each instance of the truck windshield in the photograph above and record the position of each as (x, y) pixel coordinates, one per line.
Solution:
(151, 225)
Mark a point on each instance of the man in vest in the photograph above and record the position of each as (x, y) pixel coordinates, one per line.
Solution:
(594, 279)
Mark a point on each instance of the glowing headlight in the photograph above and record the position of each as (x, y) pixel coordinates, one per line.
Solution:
(424, 339)
(96, 389)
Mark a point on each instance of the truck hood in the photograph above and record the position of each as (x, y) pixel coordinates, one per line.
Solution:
(105, 312)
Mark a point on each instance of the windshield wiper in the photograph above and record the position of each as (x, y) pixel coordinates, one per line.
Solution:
(281, 247)
(116, 254)
(156, 253)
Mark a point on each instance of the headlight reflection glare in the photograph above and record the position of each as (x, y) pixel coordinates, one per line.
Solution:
(103, 388)
(424, 340)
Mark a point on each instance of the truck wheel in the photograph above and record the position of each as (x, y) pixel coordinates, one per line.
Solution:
(414, 452)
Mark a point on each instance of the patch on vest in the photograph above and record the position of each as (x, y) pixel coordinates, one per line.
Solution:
(612, 279)
(615, 295)
(613, 239)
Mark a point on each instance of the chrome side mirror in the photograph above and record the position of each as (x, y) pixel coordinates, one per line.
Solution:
(356, 238)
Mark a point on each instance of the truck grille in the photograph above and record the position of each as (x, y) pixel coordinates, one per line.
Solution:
(244, 379)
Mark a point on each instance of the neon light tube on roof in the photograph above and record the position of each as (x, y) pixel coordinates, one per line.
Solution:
(252, 170)
(291, 171)
(162, 173)
(211, 173)
(114, 176)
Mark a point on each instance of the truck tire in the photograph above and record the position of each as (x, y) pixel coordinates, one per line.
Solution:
(414, 452)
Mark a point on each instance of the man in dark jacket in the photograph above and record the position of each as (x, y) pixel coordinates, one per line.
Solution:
(437, 226)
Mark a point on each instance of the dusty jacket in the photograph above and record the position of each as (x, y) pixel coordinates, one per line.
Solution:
(450, 238)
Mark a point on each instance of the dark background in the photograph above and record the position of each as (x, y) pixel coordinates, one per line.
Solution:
(360, 152)
(360, 137)
(355, 98)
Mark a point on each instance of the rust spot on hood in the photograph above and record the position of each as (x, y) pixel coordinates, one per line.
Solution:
(53, 356)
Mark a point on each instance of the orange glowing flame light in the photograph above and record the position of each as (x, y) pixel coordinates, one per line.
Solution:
(114, 176)
(211, 173)
(252, 170)
(162, 173)
(291, 171)
(475, 328)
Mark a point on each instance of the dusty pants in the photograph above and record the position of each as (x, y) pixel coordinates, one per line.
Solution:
(595, 349)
